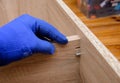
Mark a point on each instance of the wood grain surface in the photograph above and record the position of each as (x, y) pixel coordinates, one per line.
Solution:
(94, 66)
(11, 9)
(97, 63)
(62, 67)
(107, 29)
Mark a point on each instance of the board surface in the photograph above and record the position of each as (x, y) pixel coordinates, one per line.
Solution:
(97, 63)
(62, 67)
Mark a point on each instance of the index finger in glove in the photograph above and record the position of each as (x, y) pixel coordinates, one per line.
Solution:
(42, 28)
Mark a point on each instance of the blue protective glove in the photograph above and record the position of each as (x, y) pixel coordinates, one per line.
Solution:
(24, 36)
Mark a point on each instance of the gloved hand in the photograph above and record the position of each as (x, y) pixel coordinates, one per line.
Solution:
(26, 35)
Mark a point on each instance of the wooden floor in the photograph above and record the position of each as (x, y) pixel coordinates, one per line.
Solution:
(107, 29)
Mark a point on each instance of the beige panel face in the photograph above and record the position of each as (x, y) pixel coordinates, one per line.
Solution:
(12, 9)
(97, 63)
(62, 67)
(47, 10)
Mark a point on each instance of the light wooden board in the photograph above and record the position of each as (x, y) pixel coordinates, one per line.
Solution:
(62, 67)
(106, 29)
(12, 9)
(97, 63)
(42, 9)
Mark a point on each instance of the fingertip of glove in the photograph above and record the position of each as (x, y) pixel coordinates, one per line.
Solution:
(62, 39)
(49, 48)
(65, 40)
(46, 47)
(52, 51)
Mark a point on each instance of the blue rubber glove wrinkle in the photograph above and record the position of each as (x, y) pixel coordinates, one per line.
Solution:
(20, 38)
(42, 28)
